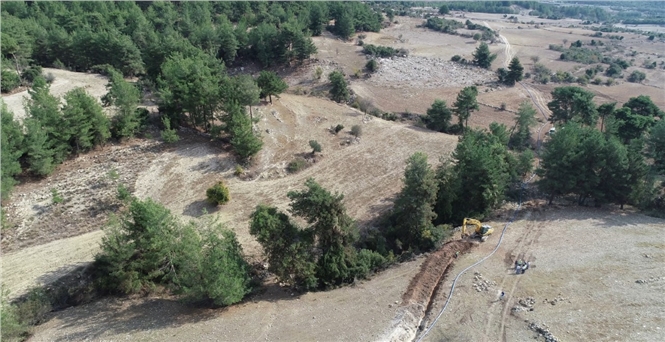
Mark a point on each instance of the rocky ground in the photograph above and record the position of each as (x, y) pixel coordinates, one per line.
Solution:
(428, 72)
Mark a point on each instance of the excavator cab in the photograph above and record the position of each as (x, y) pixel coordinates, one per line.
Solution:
(481, 231)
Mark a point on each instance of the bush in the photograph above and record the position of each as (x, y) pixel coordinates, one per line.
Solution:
(31, 73)
(338, 128)
(57, 198)
(238, 170)
(123, 193)
(637, 76)
(218, 194)
(9, 81)
(296, 165)
(316, 147)
(13, 328)
(168, 135)
(456, 58)
(372, 65)
(356, 131)
(318, 73)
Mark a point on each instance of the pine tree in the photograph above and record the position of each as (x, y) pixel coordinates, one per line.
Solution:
(573, 104)
(526, 118)
(270, 84)
(12, 149)
(465, 104)
(125, 97)
(515, 72)
(339, 91)
(482, 56)
(245, 143)
(412, 215)
(438, 116)
(344, 25)
(86, 122)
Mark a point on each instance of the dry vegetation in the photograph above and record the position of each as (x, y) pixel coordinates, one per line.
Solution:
(567, 246)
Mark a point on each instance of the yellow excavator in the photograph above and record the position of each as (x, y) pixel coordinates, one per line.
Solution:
(482, 231)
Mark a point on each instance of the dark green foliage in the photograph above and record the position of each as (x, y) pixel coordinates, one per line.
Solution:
(335, 231)
(339, 91)
(478, 181)
(581, 55)
(383, 51)
(125, 97)
(614, 70)
(316, 147)
(656, 145)
(243, 140)
(213, 267)
(573, 104)
(339, 128)
(14, 328)
(296, 165)
(443, 25)
(31, 73)
(438, 116)
(465, 103)
(410, 226)
(526, 118)
(10, 80)
(148, 247)
(12, 149)
(86, 122)
(190, 89)
(270, 84)
(515, 72)
(344, 25)
(372, 65)
(642, 105)
(246, 91)
(456, 58)
(140, 250)
(524, 163)
(286, 246)
(169, 135)
(482, 56)
(500, 131)
(579, 160)
(444, 9)
(218, 194)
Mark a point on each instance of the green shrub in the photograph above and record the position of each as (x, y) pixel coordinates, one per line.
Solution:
(57, 198)
(356, 130)
(10, 81)
(637, 76)
(456, 58)
(372, 65)
(296, 165)
(169, 135)
(338, 128)
(316, 147)
(218, 194)
(31, 73)
(123, 193)
(13, 328)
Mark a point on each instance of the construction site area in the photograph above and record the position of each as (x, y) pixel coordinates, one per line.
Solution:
(530, 271)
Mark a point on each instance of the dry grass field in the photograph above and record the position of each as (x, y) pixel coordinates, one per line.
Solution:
(602, 268)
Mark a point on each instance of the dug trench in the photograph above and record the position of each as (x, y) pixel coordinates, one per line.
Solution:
(418, 299)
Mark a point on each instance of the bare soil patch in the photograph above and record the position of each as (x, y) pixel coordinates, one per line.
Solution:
(580, 285)
(94, 85)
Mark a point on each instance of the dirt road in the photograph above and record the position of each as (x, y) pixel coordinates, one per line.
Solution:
(596, 275)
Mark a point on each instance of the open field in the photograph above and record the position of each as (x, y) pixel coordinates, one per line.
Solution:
(587, 262)
(596, 275)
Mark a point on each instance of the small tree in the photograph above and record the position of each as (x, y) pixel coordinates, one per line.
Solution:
(270, 84)
(246, 91)
(218, 194)
(526, 118)
(465, 104)
(339, 91)
(438, 116)
(372, 65)
(482, 56)
(316, 147)
(356, 131)
(515, 72)
(444, 9)
(168, 134)
(637, 77)
(338, 128)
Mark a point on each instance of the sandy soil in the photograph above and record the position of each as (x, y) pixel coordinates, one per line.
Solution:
(354, 313)
(596, 275)
(94, 85)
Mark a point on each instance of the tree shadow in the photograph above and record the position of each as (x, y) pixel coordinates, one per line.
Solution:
(199, 208)
(115, 316)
